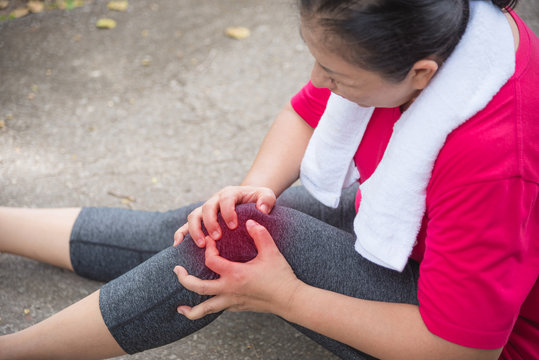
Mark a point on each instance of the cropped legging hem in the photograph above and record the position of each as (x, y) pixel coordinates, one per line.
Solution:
(132, 252)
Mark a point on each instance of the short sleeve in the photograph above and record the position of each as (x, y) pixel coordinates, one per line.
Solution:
(310, 103)
(480, 260)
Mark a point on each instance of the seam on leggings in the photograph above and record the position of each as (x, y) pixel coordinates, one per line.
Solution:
(145, 311)
(112, 246)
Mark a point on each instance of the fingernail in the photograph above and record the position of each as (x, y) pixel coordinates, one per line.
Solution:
(231, 224)
(250, 223)
(200, 241)
(215, 235)
(264, 208)
(180, 311)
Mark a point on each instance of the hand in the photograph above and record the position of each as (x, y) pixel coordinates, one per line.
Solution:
(267, 283)
(225, 202)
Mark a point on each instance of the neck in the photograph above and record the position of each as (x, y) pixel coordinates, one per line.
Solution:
(407, 104)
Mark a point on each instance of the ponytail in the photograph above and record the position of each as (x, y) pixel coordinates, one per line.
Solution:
(505, 4)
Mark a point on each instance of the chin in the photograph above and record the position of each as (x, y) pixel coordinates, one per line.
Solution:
(377, 105)
(356, 101)
(364, 104)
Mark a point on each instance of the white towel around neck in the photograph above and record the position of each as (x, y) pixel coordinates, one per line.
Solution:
(393, 198)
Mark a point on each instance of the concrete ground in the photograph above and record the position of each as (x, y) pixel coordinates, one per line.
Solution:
(163, 110)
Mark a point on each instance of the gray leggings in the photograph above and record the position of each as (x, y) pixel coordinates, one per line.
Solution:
(132, 251)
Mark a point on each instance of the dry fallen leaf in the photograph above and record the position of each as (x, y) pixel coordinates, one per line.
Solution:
(19, 12)
(124, 199)
(4, 4)
(117, 5)
(26, 311)
(146, 61)
(238, 32)
(69, 5)
(35, 6)
(106, 23)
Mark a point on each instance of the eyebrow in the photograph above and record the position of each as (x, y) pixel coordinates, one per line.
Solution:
(329, 70)
(332, 72)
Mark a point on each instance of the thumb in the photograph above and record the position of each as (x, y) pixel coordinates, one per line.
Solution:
(261, 236)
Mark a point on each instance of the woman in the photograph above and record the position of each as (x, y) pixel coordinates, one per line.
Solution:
(476, 232)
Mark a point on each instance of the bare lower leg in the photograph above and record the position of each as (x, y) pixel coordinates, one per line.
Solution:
(40, 234)
(77, 332)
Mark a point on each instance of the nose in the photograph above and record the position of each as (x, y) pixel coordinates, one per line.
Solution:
(319, 77)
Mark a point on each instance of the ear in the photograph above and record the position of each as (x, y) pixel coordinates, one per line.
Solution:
(422, 72)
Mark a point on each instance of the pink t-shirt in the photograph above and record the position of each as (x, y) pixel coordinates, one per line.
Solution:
(479, 241)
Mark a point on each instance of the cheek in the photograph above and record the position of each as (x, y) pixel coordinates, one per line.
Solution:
(374, 97)
(356, 94)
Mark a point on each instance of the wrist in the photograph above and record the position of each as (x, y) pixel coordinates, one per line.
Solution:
(289, 299)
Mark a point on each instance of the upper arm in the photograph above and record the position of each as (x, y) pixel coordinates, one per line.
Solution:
(310, 103)
(279, 157)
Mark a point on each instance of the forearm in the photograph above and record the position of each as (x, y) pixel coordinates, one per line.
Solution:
(384, 330)
(278, 160)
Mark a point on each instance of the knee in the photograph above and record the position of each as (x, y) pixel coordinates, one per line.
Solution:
(237, 245)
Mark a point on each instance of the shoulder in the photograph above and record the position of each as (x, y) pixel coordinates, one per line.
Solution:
(310, 103)
(500, 141)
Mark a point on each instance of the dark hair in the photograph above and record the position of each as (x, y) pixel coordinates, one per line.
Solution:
(389, 36)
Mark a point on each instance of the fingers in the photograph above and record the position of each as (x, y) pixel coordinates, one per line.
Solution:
(228, 211)
(210, 306)
(209, 217)
(224, 202)
(262, 238)
(266, 200)
(215, 262)
(194, 223)
(201, 287)
(179, 235)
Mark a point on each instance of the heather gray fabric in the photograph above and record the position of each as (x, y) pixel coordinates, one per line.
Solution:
(139, 307)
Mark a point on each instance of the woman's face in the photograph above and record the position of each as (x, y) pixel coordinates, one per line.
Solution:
(365, 88)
